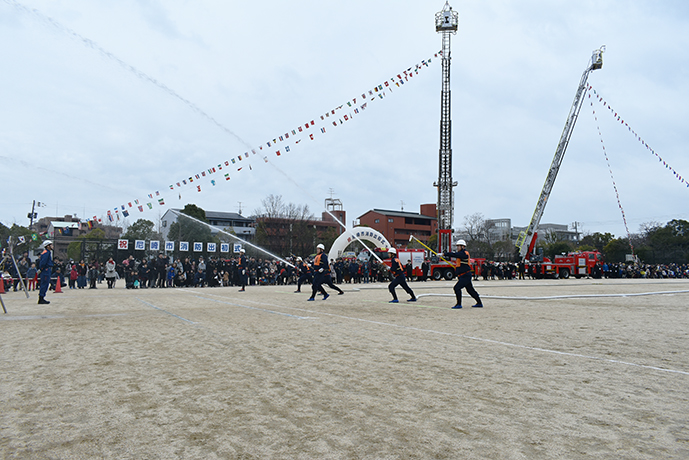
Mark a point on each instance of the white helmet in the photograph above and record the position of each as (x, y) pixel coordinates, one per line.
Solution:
(320, 246)
(461, 243)
(299, 259)
(392, 251)
(242, 250)
(46, 243)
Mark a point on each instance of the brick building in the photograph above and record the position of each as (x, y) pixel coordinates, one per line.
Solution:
(397, 226)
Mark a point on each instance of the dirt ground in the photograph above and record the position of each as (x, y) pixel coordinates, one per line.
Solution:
(264, 374)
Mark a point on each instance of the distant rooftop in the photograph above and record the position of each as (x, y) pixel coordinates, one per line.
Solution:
(387, 212)
(59, 224)
(220, 215)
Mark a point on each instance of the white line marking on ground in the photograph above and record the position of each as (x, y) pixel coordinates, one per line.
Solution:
(573, 296)
(479, 339)
(497, 342)
(20, 318)
(245, 306)
(165, 311)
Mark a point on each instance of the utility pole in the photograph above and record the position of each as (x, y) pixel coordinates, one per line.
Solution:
(446, 24)
(575, 226)
(33, 214)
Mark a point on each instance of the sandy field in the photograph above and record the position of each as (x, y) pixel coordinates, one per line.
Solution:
(561, 369)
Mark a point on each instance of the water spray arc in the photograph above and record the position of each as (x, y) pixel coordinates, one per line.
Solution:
(141, 75)
(179, 214)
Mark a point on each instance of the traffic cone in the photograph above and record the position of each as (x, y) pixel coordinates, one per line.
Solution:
(58, 288)
(2, 285)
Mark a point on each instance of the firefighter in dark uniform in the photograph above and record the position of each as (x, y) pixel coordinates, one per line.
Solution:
(397, 270)
(241, 269)
(304, 272)
(321, 275)
(45, 264)
(463, 272)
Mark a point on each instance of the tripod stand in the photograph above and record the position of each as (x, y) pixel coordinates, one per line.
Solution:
(10, 256)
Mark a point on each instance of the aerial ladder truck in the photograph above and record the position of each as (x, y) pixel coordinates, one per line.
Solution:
(527, 239)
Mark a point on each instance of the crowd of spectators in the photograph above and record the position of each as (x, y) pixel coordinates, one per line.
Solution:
(166, 272)
(509, 270)
(641, 271)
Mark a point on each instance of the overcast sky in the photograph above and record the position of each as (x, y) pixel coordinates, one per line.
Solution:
(82, 131)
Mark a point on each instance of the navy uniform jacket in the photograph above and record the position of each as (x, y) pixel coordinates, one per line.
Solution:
(464, 266)
(46, 261)
(303, 268)
(396, 267)
(321, 261)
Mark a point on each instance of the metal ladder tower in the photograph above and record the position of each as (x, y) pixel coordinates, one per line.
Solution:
(527, 239)
(446, 24)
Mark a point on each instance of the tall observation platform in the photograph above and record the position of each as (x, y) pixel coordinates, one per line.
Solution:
(445, 24)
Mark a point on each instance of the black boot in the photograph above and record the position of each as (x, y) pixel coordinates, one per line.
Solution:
(42, 301)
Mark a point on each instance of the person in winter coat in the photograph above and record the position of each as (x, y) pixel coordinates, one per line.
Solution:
(110, 273)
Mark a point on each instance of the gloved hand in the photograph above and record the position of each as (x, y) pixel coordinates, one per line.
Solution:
(320, 270)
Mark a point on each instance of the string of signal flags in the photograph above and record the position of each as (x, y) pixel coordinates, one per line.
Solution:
(619, 118)
(278, 145)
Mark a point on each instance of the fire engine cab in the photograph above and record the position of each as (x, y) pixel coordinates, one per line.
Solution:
(441, 269)
(575, 264)
(438, 269)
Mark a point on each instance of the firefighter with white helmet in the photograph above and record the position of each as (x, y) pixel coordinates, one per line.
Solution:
(463, 272)
(242, 269)
(304, 272)
(321, 275)
(45, 264)
(397, 270)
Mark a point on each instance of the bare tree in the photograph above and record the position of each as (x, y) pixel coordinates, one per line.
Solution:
(285, 228)
(646, 228)
(272, 207)
(477, 230)
(475, 227)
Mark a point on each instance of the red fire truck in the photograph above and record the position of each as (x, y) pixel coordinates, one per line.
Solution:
(405, 255)
(575, 264)
(442, 270)
(438, 269)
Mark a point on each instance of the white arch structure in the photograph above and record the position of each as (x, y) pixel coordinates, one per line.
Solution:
(350, 235)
